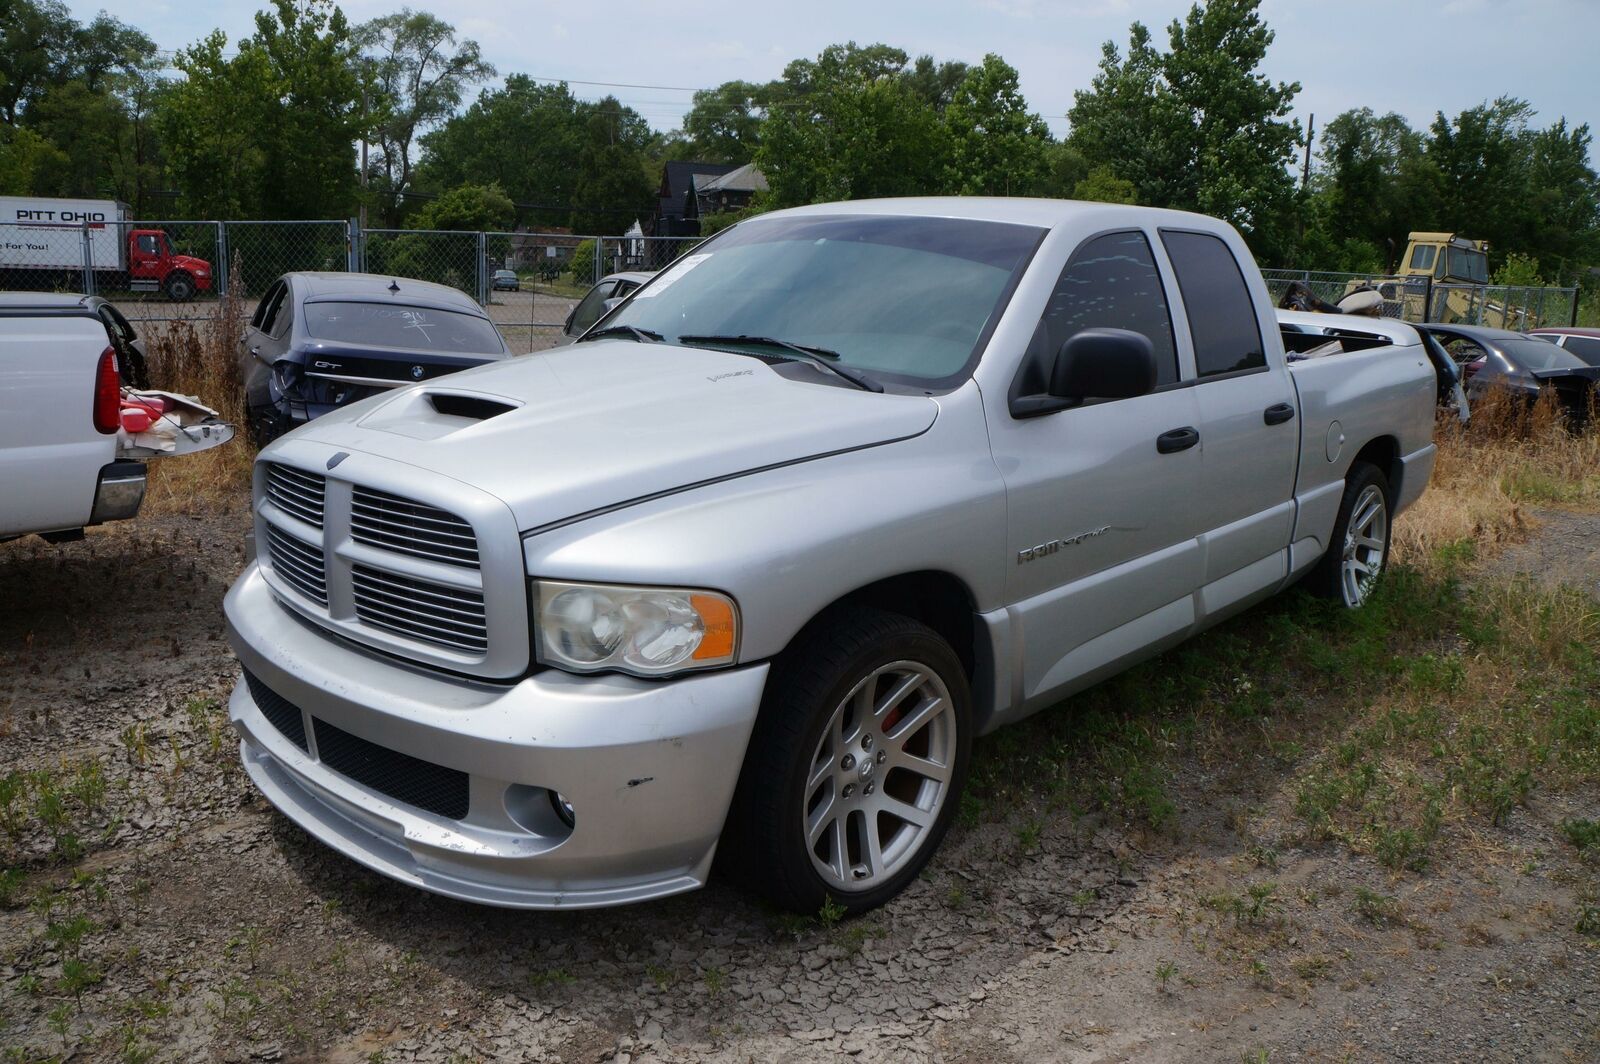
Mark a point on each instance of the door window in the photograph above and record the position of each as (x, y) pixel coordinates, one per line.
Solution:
(1111, 282)
(1422, 256)
(1222, 316)
(274, 305)
(148, 245)
(1585, 347)
(258, 319)
(588, 312)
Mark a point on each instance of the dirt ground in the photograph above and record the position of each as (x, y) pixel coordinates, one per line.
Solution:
(188, 921)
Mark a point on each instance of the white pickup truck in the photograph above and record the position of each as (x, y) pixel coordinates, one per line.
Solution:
(749, 565)
(74, 434)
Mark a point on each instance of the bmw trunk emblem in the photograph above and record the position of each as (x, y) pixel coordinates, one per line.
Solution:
(416, 373)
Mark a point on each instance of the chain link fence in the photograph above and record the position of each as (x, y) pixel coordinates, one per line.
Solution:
(1421, 299)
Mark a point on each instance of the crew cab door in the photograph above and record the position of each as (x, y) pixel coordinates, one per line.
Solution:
(1249, 426)
(1103, 556)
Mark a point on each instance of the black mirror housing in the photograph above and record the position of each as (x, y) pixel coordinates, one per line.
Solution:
(1104, 364)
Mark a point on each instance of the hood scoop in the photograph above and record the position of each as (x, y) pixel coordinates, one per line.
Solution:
(422, 414)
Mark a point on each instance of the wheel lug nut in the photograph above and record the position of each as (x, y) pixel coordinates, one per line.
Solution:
(866, 742)
(849, 790)
(867, 789)
(883, 755)
(848, 763)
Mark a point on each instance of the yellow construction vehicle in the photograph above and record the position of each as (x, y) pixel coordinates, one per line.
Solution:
(1444, 277)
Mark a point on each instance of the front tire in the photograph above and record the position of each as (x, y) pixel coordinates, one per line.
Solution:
(1358, 551)
(180, 288)
(856, 764)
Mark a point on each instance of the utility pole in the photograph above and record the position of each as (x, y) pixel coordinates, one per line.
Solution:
(361, 209)
(1311, 135)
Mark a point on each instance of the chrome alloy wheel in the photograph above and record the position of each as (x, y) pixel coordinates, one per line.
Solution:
(1366, 538)
(879, 776)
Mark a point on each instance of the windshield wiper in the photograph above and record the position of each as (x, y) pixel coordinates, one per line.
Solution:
(817, 356)
(644, 336)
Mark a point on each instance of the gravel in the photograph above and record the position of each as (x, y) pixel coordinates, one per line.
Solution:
(222, 932)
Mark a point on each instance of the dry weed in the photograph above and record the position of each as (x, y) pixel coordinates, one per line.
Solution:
(199, 358)
(1510, 456)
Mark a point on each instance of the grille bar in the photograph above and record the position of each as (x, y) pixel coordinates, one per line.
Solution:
(433, 613)
(392, 523)
(297, 493)
(404, 778)
(298, 563)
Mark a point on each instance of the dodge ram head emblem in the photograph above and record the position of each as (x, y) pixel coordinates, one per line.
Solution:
(416, 373)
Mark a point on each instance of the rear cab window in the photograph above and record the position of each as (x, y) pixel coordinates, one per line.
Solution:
(1217, 303)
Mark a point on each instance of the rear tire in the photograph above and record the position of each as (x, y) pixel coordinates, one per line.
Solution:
(855, 766)
(1358, 551)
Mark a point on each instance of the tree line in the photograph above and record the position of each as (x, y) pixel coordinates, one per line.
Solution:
(267, 127)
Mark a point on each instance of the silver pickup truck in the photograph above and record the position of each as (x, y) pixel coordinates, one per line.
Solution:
(749, 566)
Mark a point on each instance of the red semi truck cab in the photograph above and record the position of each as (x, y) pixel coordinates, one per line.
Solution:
(150, 259)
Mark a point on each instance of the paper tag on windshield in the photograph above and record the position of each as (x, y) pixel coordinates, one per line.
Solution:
(672, 276)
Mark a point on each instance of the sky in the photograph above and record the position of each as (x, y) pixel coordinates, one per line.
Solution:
(1416, 57)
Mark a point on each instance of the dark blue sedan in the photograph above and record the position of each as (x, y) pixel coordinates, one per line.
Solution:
(319, 341)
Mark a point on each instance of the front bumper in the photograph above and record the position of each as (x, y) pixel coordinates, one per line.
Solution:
(649, 767)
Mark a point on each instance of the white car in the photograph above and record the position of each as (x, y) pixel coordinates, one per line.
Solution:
(606, 294)
(74, 434)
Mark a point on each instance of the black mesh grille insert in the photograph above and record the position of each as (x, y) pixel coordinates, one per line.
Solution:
(283, 714)
(404, 778)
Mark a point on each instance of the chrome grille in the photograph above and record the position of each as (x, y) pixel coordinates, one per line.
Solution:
(297, 493)
(299, 564)
(392, 523)
(451, 617)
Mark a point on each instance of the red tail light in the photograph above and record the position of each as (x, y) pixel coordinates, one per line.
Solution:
(107, 393)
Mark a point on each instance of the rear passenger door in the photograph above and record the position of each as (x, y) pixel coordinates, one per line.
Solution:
(1249, 426)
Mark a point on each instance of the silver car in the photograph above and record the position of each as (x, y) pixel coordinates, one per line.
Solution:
(749, 566)
(599, 300)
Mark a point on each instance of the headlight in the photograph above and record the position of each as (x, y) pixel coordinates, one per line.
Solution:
(648, 631)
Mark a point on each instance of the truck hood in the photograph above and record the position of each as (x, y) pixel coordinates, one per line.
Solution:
(595, 425)
(190, 263)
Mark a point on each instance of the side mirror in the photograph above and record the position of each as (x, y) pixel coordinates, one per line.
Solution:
(1094, 364)
(611, 304)
(1104, 364)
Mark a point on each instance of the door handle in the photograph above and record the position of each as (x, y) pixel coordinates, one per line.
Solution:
(1177, 440)
(1277, 414)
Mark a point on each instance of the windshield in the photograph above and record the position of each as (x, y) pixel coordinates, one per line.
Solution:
(897, 297)
(1466, 265)
(394, 325)
(1537, 355)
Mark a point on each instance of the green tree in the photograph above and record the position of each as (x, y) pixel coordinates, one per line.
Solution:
(935, 83)
(524, 138)
(613, 188)
(1197, 127)
(1101, 185)
(210, 123)
(724, 124)
(850, 127)
(419, 75)
(270, 132)
(473, 208)
(996, 146)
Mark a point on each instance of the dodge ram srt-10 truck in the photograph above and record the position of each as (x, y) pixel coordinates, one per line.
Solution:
(745, 570)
